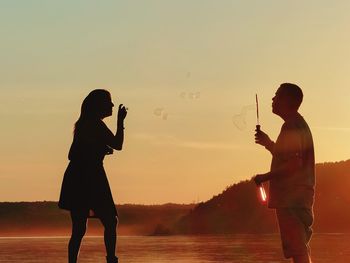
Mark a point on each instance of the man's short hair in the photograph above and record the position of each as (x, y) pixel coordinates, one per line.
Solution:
(294, 93)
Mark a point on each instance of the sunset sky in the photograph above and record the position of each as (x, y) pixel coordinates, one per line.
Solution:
(201, 61)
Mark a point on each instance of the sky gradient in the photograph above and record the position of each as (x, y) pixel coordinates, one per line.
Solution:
(156, 54)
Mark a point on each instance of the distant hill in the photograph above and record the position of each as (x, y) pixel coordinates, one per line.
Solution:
(45, 218)
(237, 209)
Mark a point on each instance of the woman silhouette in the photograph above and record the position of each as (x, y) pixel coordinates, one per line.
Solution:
(85, 186)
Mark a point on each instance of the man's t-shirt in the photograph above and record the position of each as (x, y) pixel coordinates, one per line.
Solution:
(295, 189)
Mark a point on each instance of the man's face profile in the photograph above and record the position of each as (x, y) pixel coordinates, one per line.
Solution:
(282, 102)
(278, 101)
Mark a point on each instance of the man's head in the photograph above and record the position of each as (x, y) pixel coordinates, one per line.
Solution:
(287, 99)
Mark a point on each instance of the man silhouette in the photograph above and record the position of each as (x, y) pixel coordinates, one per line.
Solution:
(292, 174)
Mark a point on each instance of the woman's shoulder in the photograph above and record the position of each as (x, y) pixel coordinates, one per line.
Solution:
(87, 128)
(91, 128)
(102, 126)
(100, 129)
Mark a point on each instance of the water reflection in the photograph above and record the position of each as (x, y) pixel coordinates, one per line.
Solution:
(184, 249)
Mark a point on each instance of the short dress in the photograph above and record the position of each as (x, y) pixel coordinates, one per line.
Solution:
(85, 185)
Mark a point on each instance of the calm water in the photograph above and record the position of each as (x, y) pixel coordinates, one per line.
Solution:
(192, 249)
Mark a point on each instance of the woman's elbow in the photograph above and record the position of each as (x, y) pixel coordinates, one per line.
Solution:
(118, 147)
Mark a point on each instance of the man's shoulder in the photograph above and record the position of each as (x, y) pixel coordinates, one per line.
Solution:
(297, 123)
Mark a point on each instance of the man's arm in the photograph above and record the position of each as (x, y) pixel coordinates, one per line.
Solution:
(287, 168)
(291, 152)
(264, 140)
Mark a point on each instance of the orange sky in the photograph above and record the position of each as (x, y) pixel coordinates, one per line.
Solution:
(156, 54)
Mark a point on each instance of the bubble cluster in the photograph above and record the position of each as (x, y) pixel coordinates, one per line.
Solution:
(161, 113)
(190, 95)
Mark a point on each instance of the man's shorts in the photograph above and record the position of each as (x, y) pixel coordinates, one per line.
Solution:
(295, 228)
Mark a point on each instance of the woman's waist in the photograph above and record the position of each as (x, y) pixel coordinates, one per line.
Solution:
(87, 157)
(86, 162)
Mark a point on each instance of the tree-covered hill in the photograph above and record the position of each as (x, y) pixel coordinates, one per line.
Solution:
(238, 210)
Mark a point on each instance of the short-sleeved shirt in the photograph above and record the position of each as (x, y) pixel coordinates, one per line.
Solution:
(296, 189)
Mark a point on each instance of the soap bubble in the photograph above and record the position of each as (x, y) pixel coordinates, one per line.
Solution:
(183, 95)
(158, 111)
(240, 120)
(190, 95)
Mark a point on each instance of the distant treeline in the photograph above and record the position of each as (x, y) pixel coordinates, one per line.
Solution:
(235, 210)
(45, 218)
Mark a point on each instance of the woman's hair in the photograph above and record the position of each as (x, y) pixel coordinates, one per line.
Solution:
(92, 106)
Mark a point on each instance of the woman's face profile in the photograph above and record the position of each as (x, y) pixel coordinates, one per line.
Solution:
(107, 107)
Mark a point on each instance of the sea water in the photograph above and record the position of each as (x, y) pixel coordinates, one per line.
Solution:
(326, 248)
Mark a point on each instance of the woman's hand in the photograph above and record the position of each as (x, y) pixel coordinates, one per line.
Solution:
(122, 112)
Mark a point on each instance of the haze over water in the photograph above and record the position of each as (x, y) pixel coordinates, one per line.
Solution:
(179, 249)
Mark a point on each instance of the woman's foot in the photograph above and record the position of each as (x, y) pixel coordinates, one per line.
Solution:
(112, 259)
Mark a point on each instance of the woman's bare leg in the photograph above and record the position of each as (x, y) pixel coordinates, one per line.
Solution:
(110, 236)
(78, 231)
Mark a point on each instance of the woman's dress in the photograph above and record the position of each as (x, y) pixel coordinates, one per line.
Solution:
(85, 186)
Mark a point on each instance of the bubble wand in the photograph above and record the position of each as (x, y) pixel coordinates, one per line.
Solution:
(262, 192)
(257, 113)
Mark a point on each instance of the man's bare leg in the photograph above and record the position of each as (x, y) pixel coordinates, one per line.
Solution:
(302, 259)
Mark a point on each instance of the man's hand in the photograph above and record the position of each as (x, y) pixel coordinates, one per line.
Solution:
(262, 138)
(260, 178)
